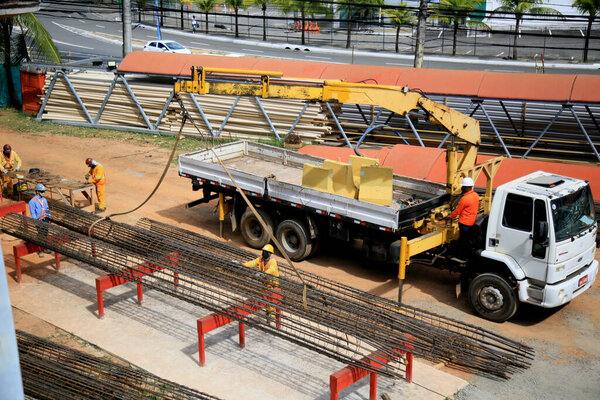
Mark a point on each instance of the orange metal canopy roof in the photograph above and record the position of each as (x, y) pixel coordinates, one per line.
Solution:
(496, 85)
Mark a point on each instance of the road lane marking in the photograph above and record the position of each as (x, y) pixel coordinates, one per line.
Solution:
(320, 58)
(499, 54)
(256, 51)
(74, 45)
(100, 26)
(469, 52)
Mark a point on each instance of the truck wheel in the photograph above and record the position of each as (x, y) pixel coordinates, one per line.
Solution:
(295, 239)
(252, 230)
(492, 297)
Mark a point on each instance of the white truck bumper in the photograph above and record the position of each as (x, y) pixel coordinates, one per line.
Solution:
(563, 292)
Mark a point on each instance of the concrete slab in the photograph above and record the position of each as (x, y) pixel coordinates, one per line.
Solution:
(160, 336)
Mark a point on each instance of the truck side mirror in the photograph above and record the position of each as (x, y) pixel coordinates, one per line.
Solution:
(540, 232)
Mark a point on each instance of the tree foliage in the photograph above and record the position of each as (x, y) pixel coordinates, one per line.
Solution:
(305, 8)
(592, 9)
(457, 13)
(519, 8)
(23, 38)
(205, 6)
(399, 17)
(237, 5)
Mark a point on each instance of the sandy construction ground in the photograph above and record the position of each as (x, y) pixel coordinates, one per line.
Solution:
(160, 335)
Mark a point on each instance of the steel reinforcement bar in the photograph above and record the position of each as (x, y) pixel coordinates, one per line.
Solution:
(55, 372)
(410, 319)
(436, 341)
(333, 324)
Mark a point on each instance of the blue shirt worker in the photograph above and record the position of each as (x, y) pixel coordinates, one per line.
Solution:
(38, 207)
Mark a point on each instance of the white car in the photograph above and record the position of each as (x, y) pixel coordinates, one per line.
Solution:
(166, 46)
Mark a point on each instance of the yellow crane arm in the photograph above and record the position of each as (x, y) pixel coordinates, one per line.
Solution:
(269, 84)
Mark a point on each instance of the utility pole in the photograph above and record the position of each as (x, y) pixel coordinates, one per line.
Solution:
(421, 26)
(126, 27)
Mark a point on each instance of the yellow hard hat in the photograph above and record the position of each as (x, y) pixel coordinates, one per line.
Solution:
(269, 248)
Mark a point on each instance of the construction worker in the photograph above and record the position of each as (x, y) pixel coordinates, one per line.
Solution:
(267, 264)
(466, 211)
(38, 208)
(10, 161)
(96, 176)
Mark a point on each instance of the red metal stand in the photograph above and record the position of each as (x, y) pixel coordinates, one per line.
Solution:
(214, 321)
(7, 206)
(351, 374)
(134, 274)
(26, 248)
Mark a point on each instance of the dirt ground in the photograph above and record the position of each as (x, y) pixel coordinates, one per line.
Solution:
(567, 363)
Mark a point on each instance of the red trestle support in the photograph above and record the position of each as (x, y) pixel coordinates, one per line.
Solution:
(134, 274)
(214, 321)
(351, 374)
(26, 248)
(10, 207)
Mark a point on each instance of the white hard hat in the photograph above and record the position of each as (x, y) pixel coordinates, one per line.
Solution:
(467, 181)
(39, 187)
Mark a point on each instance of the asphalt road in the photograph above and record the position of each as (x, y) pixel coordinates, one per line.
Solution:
(93, 32)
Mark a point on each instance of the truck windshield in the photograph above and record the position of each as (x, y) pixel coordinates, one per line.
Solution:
(573, 213)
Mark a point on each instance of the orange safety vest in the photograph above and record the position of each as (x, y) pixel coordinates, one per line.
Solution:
(467, 208)
(97, 175)
(8, 162)
(43, 213)
(268, 268)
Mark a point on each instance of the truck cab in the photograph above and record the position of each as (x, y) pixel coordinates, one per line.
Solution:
(540, 246)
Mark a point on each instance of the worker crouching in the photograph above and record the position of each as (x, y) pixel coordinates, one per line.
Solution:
(97, 177)
(267, 264)
(10, 162)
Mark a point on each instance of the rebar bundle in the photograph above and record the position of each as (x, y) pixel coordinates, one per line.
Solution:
(54, 372)
(338, 321)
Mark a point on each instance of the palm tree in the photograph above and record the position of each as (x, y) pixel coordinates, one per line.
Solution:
(206, 6)
(592, 9)
(457, 12)
(140, 6)
(361, 10)
(263, 5)
(519, 8)
(304, 7)
(33, 42)
(401, 16)
(236, 5)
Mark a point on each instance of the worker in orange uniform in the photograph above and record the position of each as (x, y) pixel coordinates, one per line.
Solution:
(96, 176)
(466, 211)
(267, 264)
(10, 161)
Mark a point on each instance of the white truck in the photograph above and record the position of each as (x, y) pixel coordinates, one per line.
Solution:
(537, 244)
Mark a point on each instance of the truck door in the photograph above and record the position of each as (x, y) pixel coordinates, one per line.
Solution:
(516, 238)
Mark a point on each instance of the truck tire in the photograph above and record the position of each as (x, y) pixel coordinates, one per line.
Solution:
(252, 230)
(492, 297)
(295, 239)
